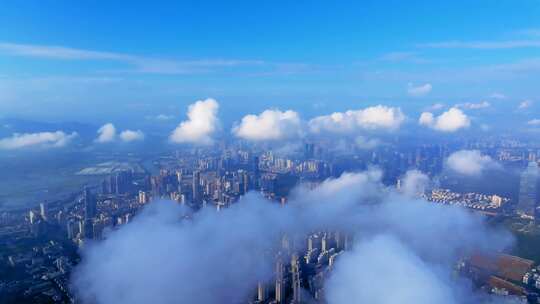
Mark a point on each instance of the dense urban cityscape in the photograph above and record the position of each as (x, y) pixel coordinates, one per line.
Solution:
(40, 245)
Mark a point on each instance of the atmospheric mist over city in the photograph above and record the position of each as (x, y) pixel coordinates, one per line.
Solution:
(270, 152)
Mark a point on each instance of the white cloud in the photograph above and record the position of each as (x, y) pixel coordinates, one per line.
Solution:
(41, 139)
(524, 104)
(130, 135)
(372, 118)
(414, 183)
(269, 125)
(449, 121)
(426, 119)
(107, 133)
(534, 122)
(474, 106)
(418, 91)
(470, 162)
(353, 278)
(202, 123)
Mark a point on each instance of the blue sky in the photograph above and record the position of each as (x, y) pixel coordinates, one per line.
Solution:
(102, 60)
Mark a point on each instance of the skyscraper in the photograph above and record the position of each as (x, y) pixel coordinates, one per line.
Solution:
(90, 210)
(296, 284)
(262, 293)
(528, 191)
(280, 282)
(89, 204)
(43, 210)
(196, 186)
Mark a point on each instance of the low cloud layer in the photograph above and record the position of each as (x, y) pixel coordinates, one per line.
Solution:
(450, 121)
(411, 279)
(218, 257)
(373, 118)
(470, 162)
(414, 183)
(270, 125)
(41, 140)
(201, 124)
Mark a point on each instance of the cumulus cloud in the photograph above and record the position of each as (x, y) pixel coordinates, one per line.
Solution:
(269, 125)
(130, 135)
(525, 104)
(219, 257)
(426, 119)
(106, 133)
(41, 139)
(202, 123)
(449, 121)
(470, 162)
(371, 118)
(474, 106)
(418, 91)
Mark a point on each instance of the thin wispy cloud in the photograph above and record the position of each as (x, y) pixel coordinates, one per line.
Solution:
(525, 104)
(141, 64)
(419, 91)
(530, 32)
(474, 106)
(457, 44)
(534, 122)
(497, 95)
(394, 57)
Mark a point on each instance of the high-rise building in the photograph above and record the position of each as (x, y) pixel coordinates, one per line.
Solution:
(90, 211)
(43, 210)
(72, 229)
(90, 207)
(196, 187)
(296, 283)
(262, 293)
(528, 191)
(32, 216)
(143, 197)
(280, 282)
